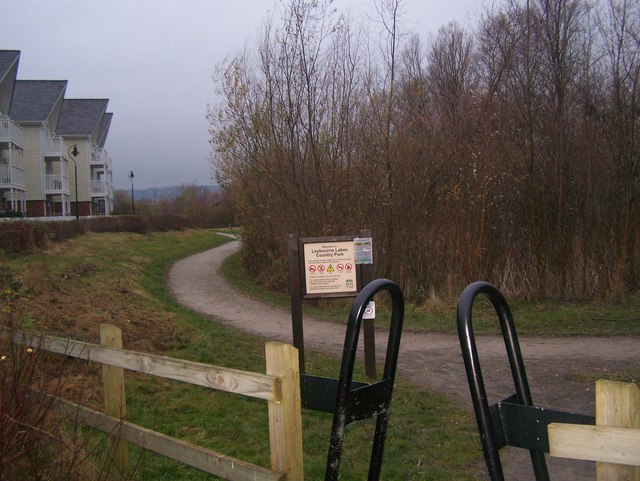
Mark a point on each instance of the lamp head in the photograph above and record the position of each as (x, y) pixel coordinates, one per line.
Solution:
(75, 151)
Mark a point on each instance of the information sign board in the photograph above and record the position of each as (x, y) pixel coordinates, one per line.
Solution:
(330, 267)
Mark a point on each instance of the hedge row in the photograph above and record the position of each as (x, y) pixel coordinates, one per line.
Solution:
(27, 236)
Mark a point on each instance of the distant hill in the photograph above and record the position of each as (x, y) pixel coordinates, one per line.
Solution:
(171, 192)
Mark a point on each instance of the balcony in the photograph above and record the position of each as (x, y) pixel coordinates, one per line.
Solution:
(10, 131)
(56, 184)
(99, 187)
(100, 157)
(11, 177)
(56, 147)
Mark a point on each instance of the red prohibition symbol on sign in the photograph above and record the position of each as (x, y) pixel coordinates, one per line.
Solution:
(320, 268)
(348, 267)
(312, 268)
(340, 267)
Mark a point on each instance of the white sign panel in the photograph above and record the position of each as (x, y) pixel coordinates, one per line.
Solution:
(364, 250)
(370, 311)
(330, 267)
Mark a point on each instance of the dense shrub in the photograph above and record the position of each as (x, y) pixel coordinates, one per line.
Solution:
(507, 152)
(34, 442)
(201, 206)
(11, 213)
(27, 236)
(18, 237)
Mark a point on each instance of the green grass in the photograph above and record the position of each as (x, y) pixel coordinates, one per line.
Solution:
(536, 318)
(121, 278)
(629, 375)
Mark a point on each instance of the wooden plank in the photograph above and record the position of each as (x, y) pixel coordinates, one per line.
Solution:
(595, 443)
(114, 399)
(261, 386)
(285, 416)
(617, 405)
(203, 459)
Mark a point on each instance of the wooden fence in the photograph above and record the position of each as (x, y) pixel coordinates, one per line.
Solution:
(280, 387)
(614, 442)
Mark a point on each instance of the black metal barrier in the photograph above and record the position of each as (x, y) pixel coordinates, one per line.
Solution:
(514, 421)
(351, 401)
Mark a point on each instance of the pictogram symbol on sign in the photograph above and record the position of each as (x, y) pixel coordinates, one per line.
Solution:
(330, 268)
(321, 268)
(348, 267)
(340, 267)
(312, 268)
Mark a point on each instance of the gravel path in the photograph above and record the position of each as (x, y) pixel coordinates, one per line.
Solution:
(557, 368)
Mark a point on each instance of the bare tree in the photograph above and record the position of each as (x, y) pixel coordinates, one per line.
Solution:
(621, 32)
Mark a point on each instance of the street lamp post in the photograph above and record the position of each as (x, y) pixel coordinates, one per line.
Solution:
(72, 155)
(131, 176)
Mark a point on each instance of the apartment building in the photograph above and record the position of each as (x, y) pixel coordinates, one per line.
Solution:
(52, 156)
(84, 125)
(36, 107)
(12, 184)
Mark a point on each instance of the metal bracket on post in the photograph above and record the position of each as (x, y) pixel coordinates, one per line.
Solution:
(514, 421)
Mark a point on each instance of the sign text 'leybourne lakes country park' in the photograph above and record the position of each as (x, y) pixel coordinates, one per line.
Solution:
(330, 267)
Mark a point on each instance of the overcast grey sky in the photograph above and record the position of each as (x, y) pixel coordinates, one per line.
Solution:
(153, 60)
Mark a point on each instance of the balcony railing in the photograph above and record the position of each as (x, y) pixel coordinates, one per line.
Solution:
(11, 176)
(56, 147)
(56, 184)
(10, 131)
(98, 187)
(99, 156)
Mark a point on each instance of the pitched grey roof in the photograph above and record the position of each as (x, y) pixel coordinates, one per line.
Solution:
(81, 117)
(34, 100)
(104, 129)
(8, 58)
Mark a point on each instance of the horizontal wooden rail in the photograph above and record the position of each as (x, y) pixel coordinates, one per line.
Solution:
(281, 388)
(595, 443)
(614, 442)
(204, 459)
(261, 386)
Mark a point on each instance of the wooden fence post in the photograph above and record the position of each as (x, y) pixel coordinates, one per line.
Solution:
(614, 442)
(617, 405)
(114, 397)
(285, 416)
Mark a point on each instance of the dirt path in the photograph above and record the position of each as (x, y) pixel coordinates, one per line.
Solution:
(557, 368)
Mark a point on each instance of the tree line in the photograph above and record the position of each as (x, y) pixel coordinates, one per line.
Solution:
(197, 205)
(507, 151)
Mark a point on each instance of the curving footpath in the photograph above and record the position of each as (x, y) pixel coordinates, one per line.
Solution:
(557, 368)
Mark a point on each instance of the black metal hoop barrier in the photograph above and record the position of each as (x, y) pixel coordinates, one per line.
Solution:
(352, 401)
(514, 421)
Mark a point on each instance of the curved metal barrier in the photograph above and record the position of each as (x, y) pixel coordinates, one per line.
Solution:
(514, 421)
(351, 401)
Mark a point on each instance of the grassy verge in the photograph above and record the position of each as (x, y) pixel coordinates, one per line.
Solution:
(120, 279)
(545, 318)
(629, 375)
